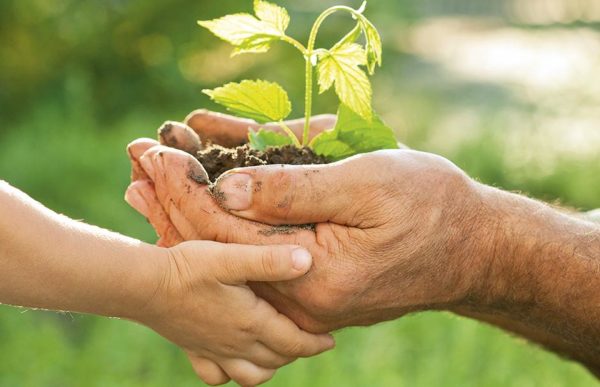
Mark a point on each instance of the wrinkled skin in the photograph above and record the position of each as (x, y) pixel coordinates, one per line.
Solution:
(379, 250)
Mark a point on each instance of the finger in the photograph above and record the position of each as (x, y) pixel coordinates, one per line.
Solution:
(179, 136)
(285, 301)
(284, 337)
(135, 150)
(230, 131)
(290, 194)
(153, 160)
(265, 357)
(246, 373)
(181, 188)
(141, 196)
(208, 370)
(242, 263)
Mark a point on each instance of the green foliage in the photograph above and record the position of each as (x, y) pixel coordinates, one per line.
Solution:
(263, 139)
(349, 136)
(273, 15)
(339, 66)
(259, 100)
(373, 45)
(250, 34)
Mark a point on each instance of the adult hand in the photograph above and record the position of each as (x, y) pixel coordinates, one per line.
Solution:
(397, 231)
(377, 243)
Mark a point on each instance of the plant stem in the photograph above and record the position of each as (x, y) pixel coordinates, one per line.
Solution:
(307, 99)
(295, 43)
(309, 52)
(291, 134)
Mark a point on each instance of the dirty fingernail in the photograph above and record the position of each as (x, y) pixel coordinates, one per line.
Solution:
(237, 191)
(180, 136)
(301, 259)
(136, 200)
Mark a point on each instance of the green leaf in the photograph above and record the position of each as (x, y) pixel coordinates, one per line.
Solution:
(272, 14)
(353, 135)
(372, 39)
(241, 29)
(259, 100)
(340, 65)
(263, 139)
(252, 46)
(373, 44)
(249, 33)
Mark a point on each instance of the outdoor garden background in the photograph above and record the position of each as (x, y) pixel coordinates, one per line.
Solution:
(508, 90)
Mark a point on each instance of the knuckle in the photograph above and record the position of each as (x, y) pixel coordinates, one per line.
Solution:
(228, 267)
(229, 348)
(295, 348)
(270, 262)
(285, 184)
(249, 325)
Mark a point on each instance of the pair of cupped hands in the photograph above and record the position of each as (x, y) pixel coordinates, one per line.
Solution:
(389, 239)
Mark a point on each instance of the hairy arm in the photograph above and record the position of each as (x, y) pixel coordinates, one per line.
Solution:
(52, 262)
(542, 278)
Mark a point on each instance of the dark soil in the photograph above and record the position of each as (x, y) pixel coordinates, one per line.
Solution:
(216, 160)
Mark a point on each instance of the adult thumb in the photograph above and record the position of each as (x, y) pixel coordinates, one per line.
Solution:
(294, 194)
(243, 263)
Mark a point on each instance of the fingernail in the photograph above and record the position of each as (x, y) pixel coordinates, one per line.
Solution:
(136, 200)
(237, 191)
(180, 136)
(301, 259)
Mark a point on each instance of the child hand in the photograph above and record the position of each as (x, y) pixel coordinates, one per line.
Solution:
(226, 330)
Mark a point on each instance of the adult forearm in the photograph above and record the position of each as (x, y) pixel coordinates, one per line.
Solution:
(542, 276)
(50, 261)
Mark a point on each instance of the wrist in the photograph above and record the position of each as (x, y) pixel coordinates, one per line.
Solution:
(144, 285)
(470, 244)
(528, 248)
(507, 234)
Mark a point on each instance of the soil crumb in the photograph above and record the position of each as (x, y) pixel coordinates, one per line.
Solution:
(216, 159)
(286, 229)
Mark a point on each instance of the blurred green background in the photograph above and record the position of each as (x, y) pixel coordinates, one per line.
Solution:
(508, 90)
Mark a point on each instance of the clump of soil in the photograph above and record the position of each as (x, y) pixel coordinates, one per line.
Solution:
(216, 159)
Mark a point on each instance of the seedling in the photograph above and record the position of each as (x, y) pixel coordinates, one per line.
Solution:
(344, 67)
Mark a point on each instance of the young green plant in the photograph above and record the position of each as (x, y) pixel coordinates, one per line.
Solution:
(358, 128)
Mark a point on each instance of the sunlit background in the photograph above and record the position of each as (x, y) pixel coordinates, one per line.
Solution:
(509, 90)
